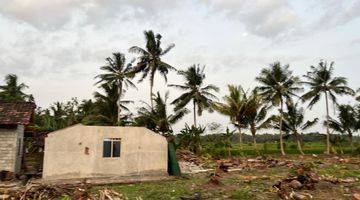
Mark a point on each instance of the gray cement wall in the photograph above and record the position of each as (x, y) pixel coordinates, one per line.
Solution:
(77, 152)
(11, 145)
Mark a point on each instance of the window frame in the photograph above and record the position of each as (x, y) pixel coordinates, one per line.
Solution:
(112, 142)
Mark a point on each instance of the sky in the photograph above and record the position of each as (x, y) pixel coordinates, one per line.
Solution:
(57, 47)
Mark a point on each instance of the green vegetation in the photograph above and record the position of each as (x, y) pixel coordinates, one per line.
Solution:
(278, 92)
(271, 148)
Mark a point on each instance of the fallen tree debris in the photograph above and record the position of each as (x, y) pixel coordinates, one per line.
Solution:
(106, 194)
(302, 178)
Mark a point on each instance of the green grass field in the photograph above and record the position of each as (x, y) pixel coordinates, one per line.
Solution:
(273, 148)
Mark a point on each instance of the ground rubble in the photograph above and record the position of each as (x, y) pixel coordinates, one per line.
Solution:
(49, 192)
(191, 163)
(260, 162)
(303, 179)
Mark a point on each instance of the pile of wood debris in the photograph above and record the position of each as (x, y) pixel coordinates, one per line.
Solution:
(192, 163)
(261, 162)
(188, 156)
(49, 192)
(304, 178)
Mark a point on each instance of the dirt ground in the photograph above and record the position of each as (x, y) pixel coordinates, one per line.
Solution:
(275, 177)
(326, 177)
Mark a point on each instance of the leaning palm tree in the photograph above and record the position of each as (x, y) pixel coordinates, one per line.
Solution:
(256, 114)
(277, 85)
(321, 81)
(345, 122)
(12, 91)
(195, 91)
(120, 73)
(235, 108)
(150, 59)
(157, 118)
(293, 122)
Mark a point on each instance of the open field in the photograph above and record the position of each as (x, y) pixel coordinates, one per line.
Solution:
(240, 177)
(273, 148)
(256, 182)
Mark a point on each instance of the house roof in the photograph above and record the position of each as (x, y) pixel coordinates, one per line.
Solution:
(16, 113)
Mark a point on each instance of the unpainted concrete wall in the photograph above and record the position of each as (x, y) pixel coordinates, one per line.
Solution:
(11, 148)
(143, 152)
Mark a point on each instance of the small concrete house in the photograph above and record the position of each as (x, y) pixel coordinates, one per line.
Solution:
(14, 117)
(81, 151)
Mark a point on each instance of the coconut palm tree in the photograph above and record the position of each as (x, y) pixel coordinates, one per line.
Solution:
(59, 113)
(105, 110)
(150, 59)
(293, 122)
(120, 73)
(234, 107)
(277, 85)
(321, 81)
(157, 118)
(195, 91)
(345, 122)
(256, 114)
(12, 91)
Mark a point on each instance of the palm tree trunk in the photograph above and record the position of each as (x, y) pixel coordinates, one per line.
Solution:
(280, 126)
(351, 141)
(253, 133)
(152, 77)
(119, 102)
(229, 147)
(327, 125)
(151, 93)
(194, 113)
(298, 143)
(240, 138)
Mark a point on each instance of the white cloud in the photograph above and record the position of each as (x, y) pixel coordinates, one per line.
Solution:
(41, 13)
(336, 13)
(54, 14)
(267, 18)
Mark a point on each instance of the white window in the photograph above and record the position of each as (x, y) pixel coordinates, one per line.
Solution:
(111, 147)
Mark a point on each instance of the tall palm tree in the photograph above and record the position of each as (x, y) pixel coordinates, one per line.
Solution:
(195, 91)
(120, 73)
(12, 91)
(235, 107)
(293, 121)
(157, 118)
(277, 85)
(150, 59)
(345, 122)
(321, 81)
(255, 114)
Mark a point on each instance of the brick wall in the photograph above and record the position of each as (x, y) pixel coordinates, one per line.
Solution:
(10, 151)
